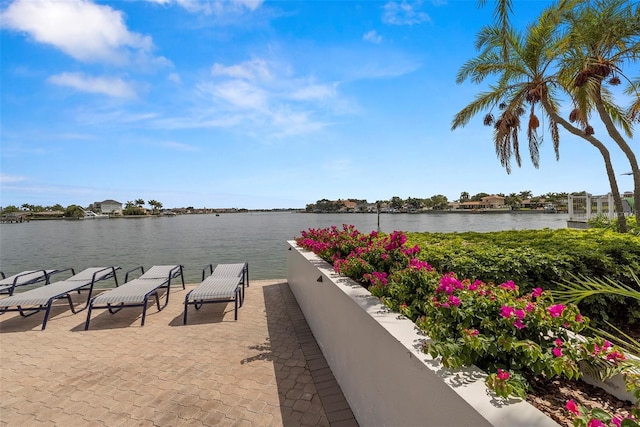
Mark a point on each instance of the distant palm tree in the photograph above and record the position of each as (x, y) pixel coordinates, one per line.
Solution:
(155, 205)
(529, 82)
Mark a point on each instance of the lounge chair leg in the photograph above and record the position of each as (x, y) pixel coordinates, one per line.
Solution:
(86, 324)
(46, 315)
(68, 298)
(144, 309)
(186, 306)
(235, 315)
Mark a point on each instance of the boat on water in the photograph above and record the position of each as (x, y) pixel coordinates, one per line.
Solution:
(93, 215)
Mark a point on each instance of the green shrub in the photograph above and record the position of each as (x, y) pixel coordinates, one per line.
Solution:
(541, 258)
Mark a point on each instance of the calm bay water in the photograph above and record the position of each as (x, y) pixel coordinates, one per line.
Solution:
(197, 240)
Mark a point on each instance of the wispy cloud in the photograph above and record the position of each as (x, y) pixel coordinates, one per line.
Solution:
(213, 7)
(255, 69)
(6, 179)
(84, 30)
(372, 36)
(266, 96)
(179, 146)
(404, 13)
(110, 86)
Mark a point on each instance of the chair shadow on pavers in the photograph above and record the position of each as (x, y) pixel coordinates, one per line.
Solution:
(309, 393)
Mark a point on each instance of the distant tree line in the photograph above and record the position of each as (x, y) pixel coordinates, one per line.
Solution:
(135, 207)
(435, 202)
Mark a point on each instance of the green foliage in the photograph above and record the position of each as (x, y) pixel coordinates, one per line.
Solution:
(603, 221)
(10, 209)
(542, 258)
(73, 211)
(494, 327)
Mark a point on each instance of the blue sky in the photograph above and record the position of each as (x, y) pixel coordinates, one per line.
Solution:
(253, 104)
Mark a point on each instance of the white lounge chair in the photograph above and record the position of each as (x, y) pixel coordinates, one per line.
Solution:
(42, 298)
(224, 284)
(136, 293)
(9, 284)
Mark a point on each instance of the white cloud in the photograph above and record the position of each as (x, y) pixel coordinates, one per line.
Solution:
(241, 94)
(104, 85)
(256, 69)
(6, 179)
(314, 91)
(175, 78)
(404, 13)
(84, 30)
(262, 98)
(179, 146)
(372, 36)
(214, 7)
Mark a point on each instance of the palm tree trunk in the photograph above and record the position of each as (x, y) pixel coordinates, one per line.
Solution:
(615, 135)
(613, 183)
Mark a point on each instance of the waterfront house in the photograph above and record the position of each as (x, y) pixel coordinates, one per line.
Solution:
(487, 202)
(110, 207)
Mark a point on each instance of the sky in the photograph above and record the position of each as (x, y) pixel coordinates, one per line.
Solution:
(256, 104)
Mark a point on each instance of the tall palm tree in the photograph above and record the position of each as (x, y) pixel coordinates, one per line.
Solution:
(602, 36)
(527, 83)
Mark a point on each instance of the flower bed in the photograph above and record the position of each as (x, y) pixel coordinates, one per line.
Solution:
(508, 335)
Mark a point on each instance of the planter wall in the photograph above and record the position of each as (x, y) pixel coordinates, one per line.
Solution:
(377, 359)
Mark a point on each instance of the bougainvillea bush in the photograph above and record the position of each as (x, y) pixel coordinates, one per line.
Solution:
(510, 335)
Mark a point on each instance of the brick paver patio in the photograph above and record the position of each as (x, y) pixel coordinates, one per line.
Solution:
(263, 370)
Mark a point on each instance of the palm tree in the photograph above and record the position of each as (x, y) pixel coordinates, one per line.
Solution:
(603, 36)
(155, 205)
(527, 84)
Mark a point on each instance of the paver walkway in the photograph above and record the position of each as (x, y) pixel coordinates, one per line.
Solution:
(263, 370)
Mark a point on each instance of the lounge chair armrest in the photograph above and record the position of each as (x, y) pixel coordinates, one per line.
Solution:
(204, 270)
(99, 273)
(126, 276)
(71, 269)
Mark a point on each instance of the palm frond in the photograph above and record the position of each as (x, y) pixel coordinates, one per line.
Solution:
(580, 287)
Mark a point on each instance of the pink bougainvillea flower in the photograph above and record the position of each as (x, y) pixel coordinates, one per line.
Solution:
(557, 352)
(449, 283)
(520, 314)
(475, 285)
(454, 300)
(509, 285)
(529, 307)
(472, 332)
(518, 324)
(616, 357)
(579, 318)
(502, 375)
(536, 292)
(506, 311)
(558, 342)
(572, 407)
(594, 422)
(616, 421)
(556, 310)
(606, 345)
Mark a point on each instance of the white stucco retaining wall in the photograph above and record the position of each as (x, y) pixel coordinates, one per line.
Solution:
(377, 359)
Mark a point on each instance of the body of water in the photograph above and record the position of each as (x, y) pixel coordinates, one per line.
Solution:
(197, 240)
